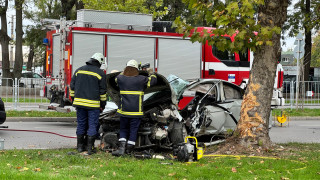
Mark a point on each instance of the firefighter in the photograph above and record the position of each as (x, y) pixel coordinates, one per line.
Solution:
(131, 86)
(88, 90)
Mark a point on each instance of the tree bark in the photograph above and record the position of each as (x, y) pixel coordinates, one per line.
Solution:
(4, 40)
(30, 58)
(18, 62)
(253, 127)
(308, 43)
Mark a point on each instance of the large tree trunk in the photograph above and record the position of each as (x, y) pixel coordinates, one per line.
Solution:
(4, 40)
(256, 106)
(30, 58)
(308, 43)
(18, 56)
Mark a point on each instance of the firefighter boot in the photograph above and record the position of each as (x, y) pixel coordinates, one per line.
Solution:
(121, 149)
(86, 142)
(91, 148)
(80, 143)
(129, 148)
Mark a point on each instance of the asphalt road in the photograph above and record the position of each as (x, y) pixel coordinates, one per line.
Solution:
(39, 140)
(306, 131)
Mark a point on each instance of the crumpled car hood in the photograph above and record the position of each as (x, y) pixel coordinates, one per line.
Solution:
(162, 85)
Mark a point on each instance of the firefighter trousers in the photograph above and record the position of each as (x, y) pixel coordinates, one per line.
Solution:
(129, 129)
(87, 121)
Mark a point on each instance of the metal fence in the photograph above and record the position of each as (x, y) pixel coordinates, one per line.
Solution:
(29, 92)
(309, 93)
(24, 92)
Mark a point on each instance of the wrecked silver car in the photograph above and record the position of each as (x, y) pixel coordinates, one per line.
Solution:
(213, 107)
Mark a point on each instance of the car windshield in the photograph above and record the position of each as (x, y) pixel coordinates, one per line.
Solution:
(177, 85)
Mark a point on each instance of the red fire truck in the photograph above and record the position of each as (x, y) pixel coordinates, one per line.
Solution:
(124, 36)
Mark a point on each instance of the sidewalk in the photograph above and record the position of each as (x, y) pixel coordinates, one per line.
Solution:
(42, 119)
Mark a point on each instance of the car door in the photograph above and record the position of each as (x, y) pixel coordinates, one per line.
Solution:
(231, 99)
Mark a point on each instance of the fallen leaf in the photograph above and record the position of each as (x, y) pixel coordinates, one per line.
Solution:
(37, 169)
(250, 172)
(39, 153)
(18, 167)
(92, 176)
(172, 174)
(284, 178)
(101, 165)
(130, 175)
(24, 169)
(261, 162)
(234, 169)
(114, 173)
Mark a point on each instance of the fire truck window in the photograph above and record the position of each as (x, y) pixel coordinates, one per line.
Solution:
(244, 55)
(223, 55)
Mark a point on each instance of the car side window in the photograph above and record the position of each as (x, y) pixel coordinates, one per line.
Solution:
(36, 76)
(231, 93)
(204, 88)
(26, 75)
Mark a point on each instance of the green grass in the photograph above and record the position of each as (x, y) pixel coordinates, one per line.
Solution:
(13, 113)
(27, 100)
(299, 112)
(296, 161)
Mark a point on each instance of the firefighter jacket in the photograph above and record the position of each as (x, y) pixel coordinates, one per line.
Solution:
(131, 93)
(88, 86)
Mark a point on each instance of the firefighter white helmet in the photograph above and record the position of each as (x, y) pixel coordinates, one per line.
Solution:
(99, 57)
(133, 63)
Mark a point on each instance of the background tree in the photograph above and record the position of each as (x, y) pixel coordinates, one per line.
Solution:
(315, 53)
(239, 17)
(69, 8)
(137, 6)
(18, 62)
(4, 40)
(35, 33)
(33, 39)
(305, 17)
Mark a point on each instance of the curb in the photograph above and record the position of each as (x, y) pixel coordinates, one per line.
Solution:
(74, 119)
(303, 118)
(42, 119)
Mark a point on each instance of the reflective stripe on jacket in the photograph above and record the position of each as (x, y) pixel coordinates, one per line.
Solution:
(131, 93)
(88, 86)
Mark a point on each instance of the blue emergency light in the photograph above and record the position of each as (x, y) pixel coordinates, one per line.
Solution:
(45, 42)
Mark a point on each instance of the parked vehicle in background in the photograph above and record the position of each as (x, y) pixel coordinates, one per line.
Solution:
(31, 80)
